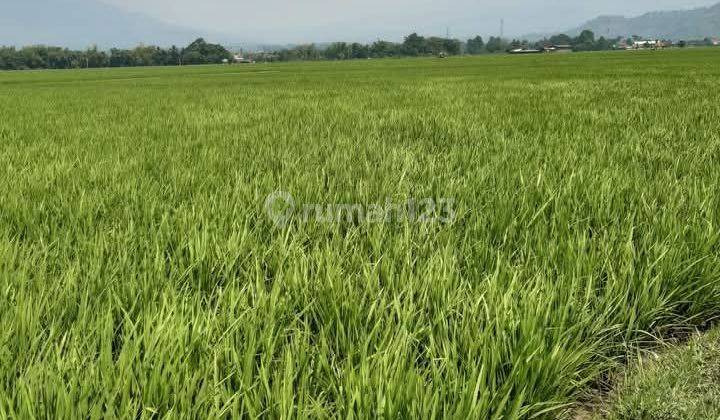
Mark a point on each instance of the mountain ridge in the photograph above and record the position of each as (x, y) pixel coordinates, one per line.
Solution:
(676, 25)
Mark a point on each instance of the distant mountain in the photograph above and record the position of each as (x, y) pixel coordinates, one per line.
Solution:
(676, 25)
(81, 23)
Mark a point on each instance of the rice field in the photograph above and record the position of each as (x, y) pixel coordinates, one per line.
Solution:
(540, 218)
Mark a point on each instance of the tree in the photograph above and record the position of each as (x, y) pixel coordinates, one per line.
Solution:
(120, 58)
(31, 58)
(586, 36)
(436, 46)
(475, 46)
(359, 51)
(308, 52)
(383, 49)
(200, 52)
(143, 56)
(414, 45)
(561, 39)
(44, 57)
(495, 44)
(173, 57)
(603, 44)
(585, 42)
(95, 58)
(337, 51)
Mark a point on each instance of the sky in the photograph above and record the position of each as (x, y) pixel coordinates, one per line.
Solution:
(297, 21)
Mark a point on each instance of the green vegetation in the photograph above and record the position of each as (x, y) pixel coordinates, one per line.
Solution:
(140, 276)
(415, 45)
(201, 52)
(683, 383)
(43, 57)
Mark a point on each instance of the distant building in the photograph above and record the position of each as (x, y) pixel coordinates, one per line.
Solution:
(525, 51)
(622, 45)
(239, 59)
(544, 49)
(555, 48)
(648, 44)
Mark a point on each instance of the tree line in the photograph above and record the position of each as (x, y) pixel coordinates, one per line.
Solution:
(44, 57)
(202, 52)
(415, 45)
(586, 41)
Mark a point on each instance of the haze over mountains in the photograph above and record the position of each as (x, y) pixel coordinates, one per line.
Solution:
(81, 23)
(675, 25)
(126, 23)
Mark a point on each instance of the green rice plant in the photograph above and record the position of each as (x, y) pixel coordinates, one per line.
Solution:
(141, 278)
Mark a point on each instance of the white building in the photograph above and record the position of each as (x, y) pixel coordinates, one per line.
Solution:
(638, 45)
(238, 58)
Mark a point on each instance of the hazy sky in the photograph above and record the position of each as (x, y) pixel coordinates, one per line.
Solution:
(319, 20)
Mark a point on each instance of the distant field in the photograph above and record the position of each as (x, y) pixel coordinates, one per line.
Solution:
(140, 275)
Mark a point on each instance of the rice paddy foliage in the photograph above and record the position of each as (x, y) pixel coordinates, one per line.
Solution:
(140, 277)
